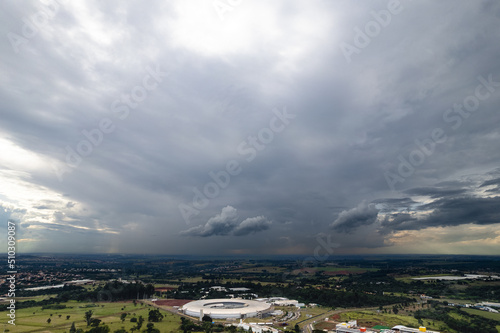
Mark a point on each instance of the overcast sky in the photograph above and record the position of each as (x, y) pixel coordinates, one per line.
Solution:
(251, 127)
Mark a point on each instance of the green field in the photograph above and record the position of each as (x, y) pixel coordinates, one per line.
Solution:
(262, 269)
(485, 314)
(192, 279)
(223, 281)
(352, 269)
(335, 270)
(372, 318)
(35, 298)
(35, 319)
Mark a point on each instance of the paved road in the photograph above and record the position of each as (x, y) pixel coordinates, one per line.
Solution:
(308, 323)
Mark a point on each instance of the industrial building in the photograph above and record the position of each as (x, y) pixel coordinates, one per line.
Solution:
(404, 329)
(352, 327)
(223, 308)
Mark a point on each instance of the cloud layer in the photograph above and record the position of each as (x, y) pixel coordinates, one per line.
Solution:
(362, 215)
(128, 128)
(226, 223)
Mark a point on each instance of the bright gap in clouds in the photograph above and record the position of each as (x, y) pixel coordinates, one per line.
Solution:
(198, 27)
(247, 30)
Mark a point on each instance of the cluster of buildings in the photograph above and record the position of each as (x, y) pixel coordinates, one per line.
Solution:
(242, 292)
(455, 278)
(237, 292)
(404, 329)
(41, 280)
(224, 308)
(352, 327)
(221, 268)
(281, 301)
(257, 327)
(65, 283)
(238, 308)
(484, 306)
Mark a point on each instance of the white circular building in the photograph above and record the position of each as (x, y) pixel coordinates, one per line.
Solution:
(222, 308)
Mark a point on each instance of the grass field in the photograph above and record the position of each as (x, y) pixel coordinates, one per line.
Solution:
(264, 269)
(485, 314)
(372, 318)
(352, 269)
(35, 298)
(192, 279)
(334, 271)
(35, 319)
(222, 281)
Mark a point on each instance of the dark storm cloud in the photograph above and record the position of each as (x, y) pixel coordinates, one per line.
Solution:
(452, 203)
(398, 221)
(394, 204)
(219, 225)
(462, 210)
(445, 211)
(252, 225)
(349, 220)
(226, 223)
(491, 182)
(434, 192)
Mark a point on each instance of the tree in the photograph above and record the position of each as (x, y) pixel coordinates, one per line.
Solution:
(150, 289)
(140, 321)
(151, 329)
(67, 317)
(121, 330)
(88, 316)
(49, 320)
(207, 326)
(94, 322)
(123, 316)
(395, 309)
(155, 315)
(296, 328)
(186, 325)
(73, 328)
(206, 318)
(99, 329)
